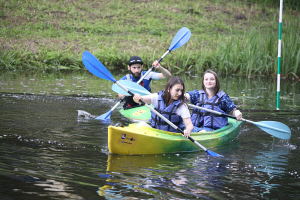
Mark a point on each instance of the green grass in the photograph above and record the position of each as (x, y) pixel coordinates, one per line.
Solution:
(232, 37)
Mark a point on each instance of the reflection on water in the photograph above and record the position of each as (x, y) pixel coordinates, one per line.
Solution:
(47, 151)
(190, 176)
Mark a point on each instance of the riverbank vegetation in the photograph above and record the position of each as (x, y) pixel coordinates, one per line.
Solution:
(231, 37)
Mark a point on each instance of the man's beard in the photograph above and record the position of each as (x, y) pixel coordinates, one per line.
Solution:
(136, 75)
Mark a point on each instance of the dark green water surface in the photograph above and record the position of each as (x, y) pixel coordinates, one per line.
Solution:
(47, 151)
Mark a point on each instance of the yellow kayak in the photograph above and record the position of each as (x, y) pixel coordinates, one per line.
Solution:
(135, 139)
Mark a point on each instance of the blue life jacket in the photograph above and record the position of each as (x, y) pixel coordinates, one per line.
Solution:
(167, 112)
(129, 103)
(145, 83)
(201, 118)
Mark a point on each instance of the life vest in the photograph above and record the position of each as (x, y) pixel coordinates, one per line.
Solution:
(167, 112)
(145, 82)
(129, 103)
(206, 119)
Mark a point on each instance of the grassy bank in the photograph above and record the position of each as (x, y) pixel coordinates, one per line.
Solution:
(231, 37)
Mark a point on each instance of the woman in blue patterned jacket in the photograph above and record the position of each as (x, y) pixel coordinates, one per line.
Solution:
(211, 97)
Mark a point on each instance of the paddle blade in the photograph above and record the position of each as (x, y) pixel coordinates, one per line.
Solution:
(274, 128)
(213, 154)
(131, 86)
(181, 37)
(105, 116)
(96, 67)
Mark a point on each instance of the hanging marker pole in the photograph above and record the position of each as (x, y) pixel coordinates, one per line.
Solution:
(279, 54)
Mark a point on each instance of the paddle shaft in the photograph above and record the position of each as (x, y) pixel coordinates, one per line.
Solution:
(170, 49)
(142, 78)
(230, 116)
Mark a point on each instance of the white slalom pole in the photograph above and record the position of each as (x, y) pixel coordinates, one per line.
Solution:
(279, 54)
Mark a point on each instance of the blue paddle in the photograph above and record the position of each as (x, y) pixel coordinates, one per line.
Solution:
(130, 86)
(98, 69)
(181, 37)
(274, 128)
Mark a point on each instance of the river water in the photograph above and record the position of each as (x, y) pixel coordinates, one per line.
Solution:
(49, 152)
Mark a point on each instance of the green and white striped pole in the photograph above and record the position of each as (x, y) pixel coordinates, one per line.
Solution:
(279, 54)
